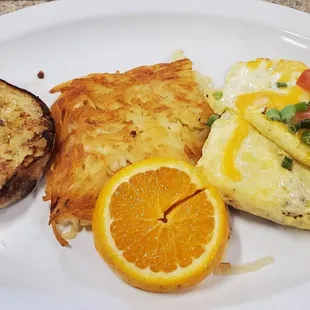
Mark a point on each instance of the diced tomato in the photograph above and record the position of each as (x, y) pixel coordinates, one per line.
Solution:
(304, 80)
(300, 116)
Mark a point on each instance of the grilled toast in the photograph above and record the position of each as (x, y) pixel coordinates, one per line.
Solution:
(107, 121)
(27, 133)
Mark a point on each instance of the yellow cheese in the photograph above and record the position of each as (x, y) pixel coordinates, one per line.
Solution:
(232, 148)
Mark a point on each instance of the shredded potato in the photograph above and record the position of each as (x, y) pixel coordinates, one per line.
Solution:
(178, 55)
(105, 122)
(226, 269)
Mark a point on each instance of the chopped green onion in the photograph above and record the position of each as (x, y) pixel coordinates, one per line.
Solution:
(287, 163)
(304, 123)
(301, 106)
(212, 119)
(305, 137)
(218, 95)
(273, 114)
(293, 128)
(287, 113)
(280, 85)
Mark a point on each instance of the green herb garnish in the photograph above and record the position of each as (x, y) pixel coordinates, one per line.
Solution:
(305, 137)
(304, 123)
(301, 106)
(212, 119)
(287, 113)
(273, 115)
(218, 95)
(287, 163)
(293, 128)
(281, 85)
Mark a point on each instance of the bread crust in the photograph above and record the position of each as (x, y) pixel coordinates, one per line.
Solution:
(22, 179)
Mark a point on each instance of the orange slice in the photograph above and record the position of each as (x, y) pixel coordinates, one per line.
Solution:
(159, 226)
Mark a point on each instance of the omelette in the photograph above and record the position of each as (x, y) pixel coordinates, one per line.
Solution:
(246, 167)
(256, 161)
(105, 122)
(253, 88)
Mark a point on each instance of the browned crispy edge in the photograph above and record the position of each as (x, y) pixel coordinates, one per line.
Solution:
(25, 178)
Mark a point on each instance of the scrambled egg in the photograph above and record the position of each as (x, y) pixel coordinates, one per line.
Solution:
(251, 89)
(246, 168)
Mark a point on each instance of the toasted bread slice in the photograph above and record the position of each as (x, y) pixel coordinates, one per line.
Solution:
(107, 121)
(27, 134)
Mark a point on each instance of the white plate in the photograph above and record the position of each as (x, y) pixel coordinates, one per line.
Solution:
(67, 39)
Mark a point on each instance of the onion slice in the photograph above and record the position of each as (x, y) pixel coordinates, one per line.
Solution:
(226, 269)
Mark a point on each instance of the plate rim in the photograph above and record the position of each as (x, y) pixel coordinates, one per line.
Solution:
(57, 13)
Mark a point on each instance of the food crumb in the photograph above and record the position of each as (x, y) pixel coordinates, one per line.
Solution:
(133, 133)
(264, 110)
(41, 75)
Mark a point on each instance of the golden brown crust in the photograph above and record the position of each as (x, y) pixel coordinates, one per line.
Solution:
(58, 236)
(107, 121)
(27, 136)
(301, 221)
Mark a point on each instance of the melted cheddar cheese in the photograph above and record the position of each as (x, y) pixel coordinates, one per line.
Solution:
(271, 99)
(228, 162)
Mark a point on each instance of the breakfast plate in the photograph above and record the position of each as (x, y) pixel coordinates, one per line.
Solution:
(68, 39)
